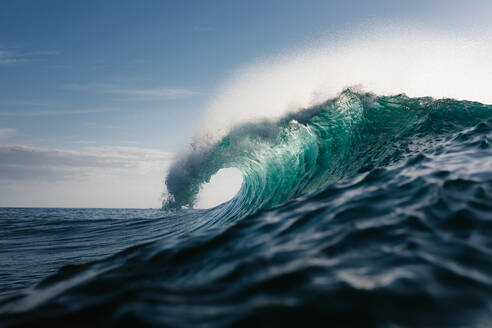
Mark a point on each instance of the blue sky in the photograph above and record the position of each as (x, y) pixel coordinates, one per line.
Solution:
(109, 78)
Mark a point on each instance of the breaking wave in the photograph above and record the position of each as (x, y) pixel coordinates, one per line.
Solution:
(355, 132)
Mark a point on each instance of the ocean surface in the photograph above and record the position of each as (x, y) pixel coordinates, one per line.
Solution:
(364, 211)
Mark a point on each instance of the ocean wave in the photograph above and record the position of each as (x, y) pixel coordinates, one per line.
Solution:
(283, 159)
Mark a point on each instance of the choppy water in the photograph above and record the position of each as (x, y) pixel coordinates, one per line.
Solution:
(365, 211)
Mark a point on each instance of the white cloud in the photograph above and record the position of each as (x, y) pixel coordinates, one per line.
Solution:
(4, 61)
(140, 93)
(104, 126)
(58, 112)
(7, 57)
(7, 132)
(16, 57)
(30, 102)
(17, 161)
(102, 176)
(163, 93)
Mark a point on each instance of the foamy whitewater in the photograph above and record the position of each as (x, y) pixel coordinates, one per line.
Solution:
(364, 200)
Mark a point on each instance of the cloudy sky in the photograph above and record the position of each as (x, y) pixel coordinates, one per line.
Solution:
(96, 97)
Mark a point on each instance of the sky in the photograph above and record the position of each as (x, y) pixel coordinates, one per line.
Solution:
(97, 97)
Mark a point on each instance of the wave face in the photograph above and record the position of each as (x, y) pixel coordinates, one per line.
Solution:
(352, 133)
(364, 211)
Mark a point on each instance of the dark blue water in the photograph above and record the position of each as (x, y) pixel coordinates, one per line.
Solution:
(381, 220)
